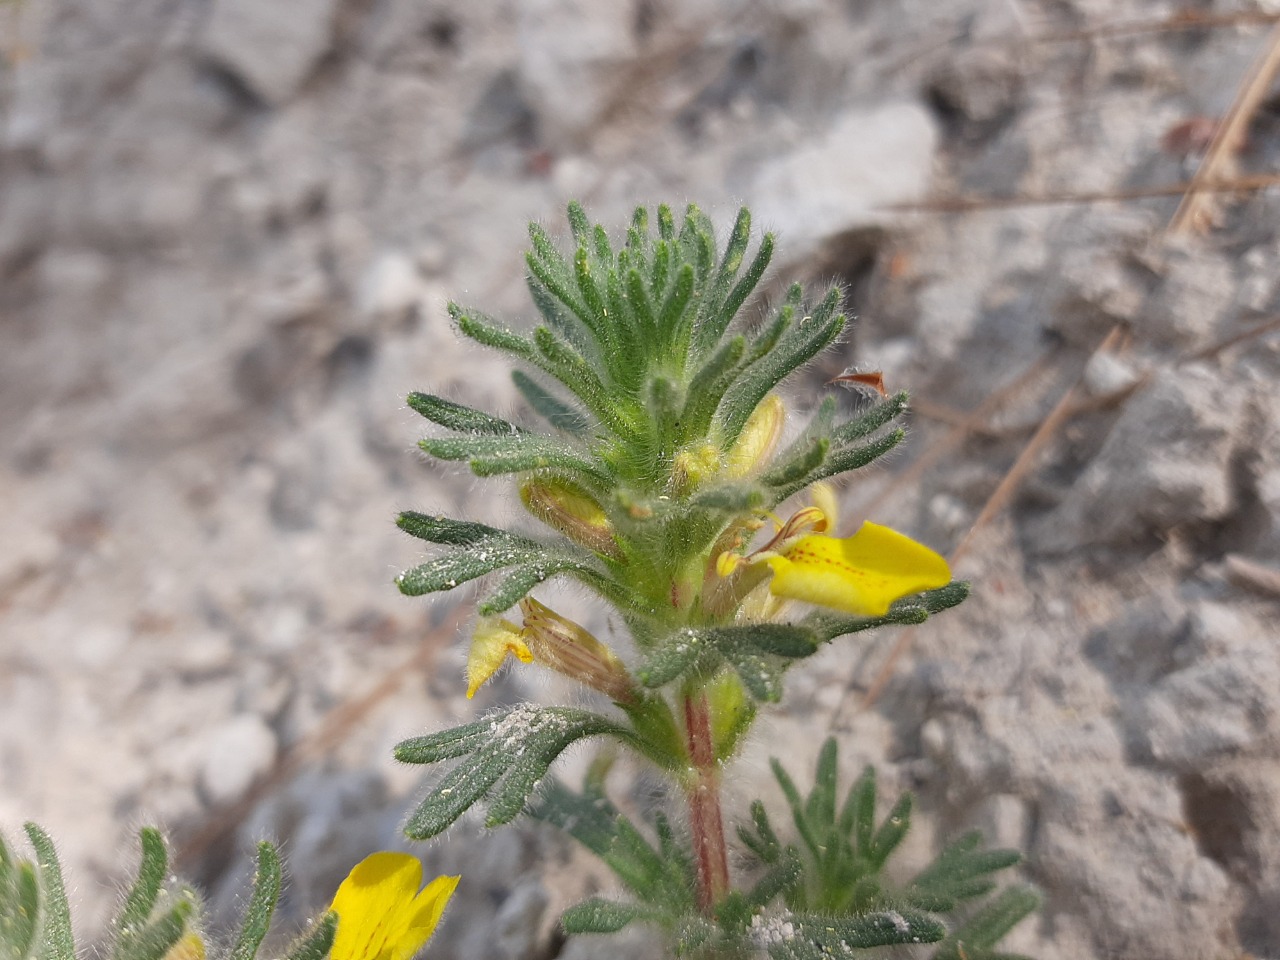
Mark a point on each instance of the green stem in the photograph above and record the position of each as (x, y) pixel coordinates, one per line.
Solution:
(705, 821)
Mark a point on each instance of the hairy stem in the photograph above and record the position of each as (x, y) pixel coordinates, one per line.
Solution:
(704, 804)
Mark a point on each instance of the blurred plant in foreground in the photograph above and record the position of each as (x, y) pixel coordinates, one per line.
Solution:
(663, 464)
(377, 914)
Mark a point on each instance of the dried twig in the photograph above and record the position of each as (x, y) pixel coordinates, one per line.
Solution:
(1183, 20)
(969, 204)
(1196, 210)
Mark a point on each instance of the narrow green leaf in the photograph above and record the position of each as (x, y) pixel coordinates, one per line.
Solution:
(738, 295)
(872, 420)
(855, 458)
(909, 610)
(802, 343)
(461, 566)
(551, 408)
(740, 497)
(461, 788)
(838, 935)
(796, 469)
(262, 904)
(604, 250)
(659, 274)
(891, 832)
(593, 302)
(598, 915)
(155, 940)
(639, 223)
(783, 639)
(821, 808)
(858, 815)
(981, 932)
(315, 944)
(557, 314)
(455, 416)
(517, 584)
(678, 654)
(569, 367)
(794, 801)
(19, 912)
(59, 943)
(141, 898)
(709, 385)
(458, 533)
(767, 336)
(715, 319)
(666, 223)
(579, 225)
(781, 878)
(638, 298)
(761, 676)
(484, 331)
(672, 316)
(489, 455)
(445, 745)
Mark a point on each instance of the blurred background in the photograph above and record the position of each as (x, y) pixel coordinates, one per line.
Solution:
(228, 231)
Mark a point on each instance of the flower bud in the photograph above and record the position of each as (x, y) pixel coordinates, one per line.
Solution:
(692, 466)
(758, 439)
(188, 947)
(571, 510)
(569, 649)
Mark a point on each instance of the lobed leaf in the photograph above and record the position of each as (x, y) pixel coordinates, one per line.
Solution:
(511, 752)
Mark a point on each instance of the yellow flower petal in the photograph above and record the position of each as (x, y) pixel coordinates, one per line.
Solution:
(863, 574)
(381, 913)
(493, 641)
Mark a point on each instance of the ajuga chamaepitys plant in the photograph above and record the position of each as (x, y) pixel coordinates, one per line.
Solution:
(661, 473)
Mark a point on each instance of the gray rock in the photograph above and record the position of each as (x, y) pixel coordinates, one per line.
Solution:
(868, 158)
(238, 751)
(978, 90)
(569, 62)
(1167, 461)
(270, 47)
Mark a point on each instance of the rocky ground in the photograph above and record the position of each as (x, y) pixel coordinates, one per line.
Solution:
(227, 233)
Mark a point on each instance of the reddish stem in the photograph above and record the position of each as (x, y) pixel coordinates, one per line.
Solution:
(704, 805)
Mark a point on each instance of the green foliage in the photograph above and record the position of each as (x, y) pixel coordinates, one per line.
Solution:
(502, 758)
(155, 917)
(647, 371)
(843, 853)
(657, 462)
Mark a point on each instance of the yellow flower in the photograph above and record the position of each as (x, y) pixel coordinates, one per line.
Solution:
(862, 574)
(494, 640)
(381, 913)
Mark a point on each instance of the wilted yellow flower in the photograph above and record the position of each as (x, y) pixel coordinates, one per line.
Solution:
(570, 649)
(382, 915)
(494, 640)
